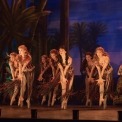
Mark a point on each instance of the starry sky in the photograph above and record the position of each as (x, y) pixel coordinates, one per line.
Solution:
(106, 11)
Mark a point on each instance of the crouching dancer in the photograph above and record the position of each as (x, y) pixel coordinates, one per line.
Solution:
(13, 63)
(102, 63)
(66, 76)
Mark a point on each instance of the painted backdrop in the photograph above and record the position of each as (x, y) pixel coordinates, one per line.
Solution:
(106, 11)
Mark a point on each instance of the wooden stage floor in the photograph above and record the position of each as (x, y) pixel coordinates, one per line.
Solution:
(44, 112)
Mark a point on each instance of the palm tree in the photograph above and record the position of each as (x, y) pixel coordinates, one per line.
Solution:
(16, 22)
(95, 30)
(78, 36)
(54, 41)
(85, 36)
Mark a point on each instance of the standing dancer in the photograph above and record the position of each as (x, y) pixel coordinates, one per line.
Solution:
(26, 74)
(45, 76)
(102, 63)
(66, 75)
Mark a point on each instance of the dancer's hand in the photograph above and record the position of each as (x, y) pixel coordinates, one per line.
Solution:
(64, 80)
(40, 78)
(20, 77)
(60, 66)
(90, 80)
(100, 81)
(13, 79)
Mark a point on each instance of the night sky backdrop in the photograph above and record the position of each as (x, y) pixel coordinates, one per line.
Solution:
(106, 11)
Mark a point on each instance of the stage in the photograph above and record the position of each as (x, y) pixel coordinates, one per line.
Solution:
(55, 113)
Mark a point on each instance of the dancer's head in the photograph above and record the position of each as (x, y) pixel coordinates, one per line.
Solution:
(88, 56)
(23, 50)
(54, 54)
(44, 59)
(13, 56)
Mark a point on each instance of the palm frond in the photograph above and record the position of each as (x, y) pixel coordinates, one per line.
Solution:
(79, 32)
(15, 21)
(15, 8)
(5, 8)
(42, 5)
(97, 28)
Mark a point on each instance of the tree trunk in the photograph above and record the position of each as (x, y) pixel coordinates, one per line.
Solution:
(23, 4)
(43, 33)
(64, 23)
(81, 56)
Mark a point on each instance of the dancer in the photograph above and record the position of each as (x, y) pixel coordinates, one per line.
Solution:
(14, 67)
(89, 79)
(102, 63)
(52, 87)
(66, 75)
(54, 55)
(6, 78)
(119, 83)
(118, 89)
(45, 76)
(26, 74)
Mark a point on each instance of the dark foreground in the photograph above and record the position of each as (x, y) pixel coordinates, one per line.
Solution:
(72, 113)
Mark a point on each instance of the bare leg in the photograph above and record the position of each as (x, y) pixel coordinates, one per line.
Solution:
(63, 102)
(43, 99)
(88, 101)
(68, 89)
(22, 91)
(49, 98)
(30, 78)
(54, 95)
(16, 89)
(101, 90)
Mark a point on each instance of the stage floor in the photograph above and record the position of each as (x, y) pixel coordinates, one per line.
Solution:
(44, 112)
